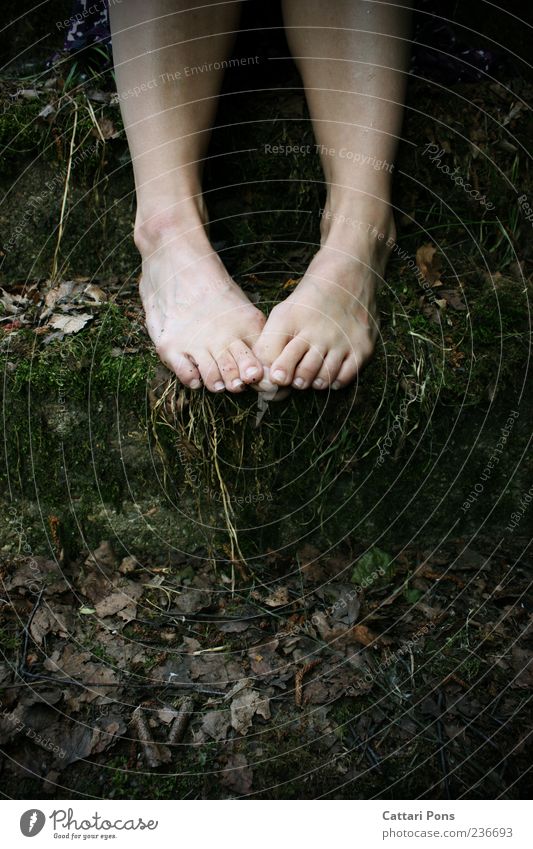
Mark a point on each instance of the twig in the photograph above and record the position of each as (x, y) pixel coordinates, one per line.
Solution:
(65, 192)
(299, 677)
(179, 726)
(22, 670)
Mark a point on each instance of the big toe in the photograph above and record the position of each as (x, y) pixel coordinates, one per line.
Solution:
(270, 344)
(284, 366)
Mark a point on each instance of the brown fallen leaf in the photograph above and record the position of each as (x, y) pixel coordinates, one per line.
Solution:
(192, 600)
(103, 558)
(51, 619)
(95, 293)
(106, 129)
(13, 304)
(215, 724)
(38, 570)
(427, 263)
(77, 665)
(264, 660)
(215, 670)
(123, 601)
(244, 707)
(69, 324)
(278, 598)
(453, 298)
(360, 634)
(77, 741)
(128, 564)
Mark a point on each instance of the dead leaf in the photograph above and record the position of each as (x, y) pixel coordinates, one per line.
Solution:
(244, 707)
(192, 600)
(95, 293)
(103, 558)
(78, 666)
(47, 112)
(427, 263)
(29, 93)
(122, 601)
(69, 324)
(278, 598)
(453, 298)
(107, 129)
(98, 96)
(264, 660)
(128, 564)
(215, 670)
(167, 715)
(37, 570)
(78, 741)
(13, 304)
(215, 725)
(56, 619)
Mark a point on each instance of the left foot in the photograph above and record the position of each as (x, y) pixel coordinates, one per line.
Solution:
(324, 332)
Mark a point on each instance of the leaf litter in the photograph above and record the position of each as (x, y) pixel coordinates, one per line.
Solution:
(121, 653)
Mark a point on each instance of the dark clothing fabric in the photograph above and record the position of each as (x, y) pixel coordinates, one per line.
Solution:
(89, 25)
(438, 53)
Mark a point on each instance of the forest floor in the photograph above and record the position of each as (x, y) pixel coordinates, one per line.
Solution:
(368, 669)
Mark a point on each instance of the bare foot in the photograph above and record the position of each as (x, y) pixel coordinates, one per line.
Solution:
(202, 325)
(324, 332)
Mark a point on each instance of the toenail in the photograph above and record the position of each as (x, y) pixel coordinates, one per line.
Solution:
(253, 371)
(195, 384)
(219, 385)
(318, 383)
(237, 383)
(279, 375)
(336, 385)
(299, 382)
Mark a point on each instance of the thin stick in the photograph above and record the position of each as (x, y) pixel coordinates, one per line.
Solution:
(65, 192)
(155, 753)
(179, 726)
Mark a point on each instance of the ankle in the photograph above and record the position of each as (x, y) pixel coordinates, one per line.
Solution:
(157, 227)
(349, 224)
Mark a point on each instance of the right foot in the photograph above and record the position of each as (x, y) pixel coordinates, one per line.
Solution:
(202, 324)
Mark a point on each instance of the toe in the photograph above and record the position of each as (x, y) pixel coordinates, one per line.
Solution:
(182, 367)
(229, 371)
(283, 367)
(347, 373)
(329, 371)
(250, 368)
(307, 369)
(273, 338)
(211, 377)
